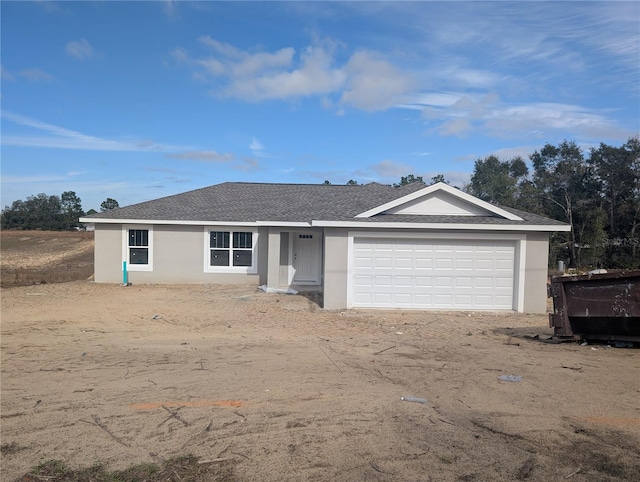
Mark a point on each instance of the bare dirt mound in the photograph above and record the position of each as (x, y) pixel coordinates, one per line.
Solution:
(37, 257)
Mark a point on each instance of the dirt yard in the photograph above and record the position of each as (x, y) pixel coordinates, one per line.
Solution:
(277, 389)
(35, 257)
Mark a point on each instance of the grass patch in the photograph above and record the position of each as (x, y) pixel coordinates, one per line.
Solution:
(185, 468)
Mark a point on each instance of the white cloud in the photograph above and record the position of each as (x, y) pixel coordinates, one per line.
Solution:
(242, 65)
(204, 156)
(32, 179)
(366, 81)
(459, 114)
(455, 127)
(374, 83)
(48, 5)
(314, 76)
(62, 138)
(470, 78)
(389, 169)
(543, 118)
(247, 164)
(80, 49)
(36, 75)
(223, 48)
(256, 145)
(169, 8)
(6, 75)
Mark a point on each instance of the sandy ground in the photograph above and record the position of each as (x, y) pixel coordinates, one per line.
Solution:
(286, 391)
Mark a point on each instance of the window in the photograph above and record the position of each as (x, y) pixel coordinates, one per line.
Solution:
(138, 247)
(233, 250)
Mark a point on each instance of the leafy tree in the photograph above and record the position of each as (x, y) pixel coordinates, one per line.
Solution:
(569, 190)
(618, 171)
(497, 181)
(36, 212)
(109, 204)
(91, 211)
(408, 179)
(351, 182)
(438, 178)
(326, 182)
(71, 206)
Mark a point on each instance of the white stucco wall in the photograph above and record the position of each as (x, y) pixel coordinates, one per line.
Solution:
(178, 257)
(335, 275)
(536, 273)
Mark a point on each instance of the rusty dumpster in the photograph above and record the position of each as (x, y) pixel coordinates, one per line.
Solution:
(596, 306)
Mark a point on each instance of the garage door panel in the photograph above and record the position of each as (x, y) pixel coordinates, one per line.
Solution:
(404, 263)
(444, 263)
(504, 264)
(423, 299)
(484, 264)
(383, 298)
(443, 300)
(464, 301)
(464, 263)
(403, 281)
(423, 281)
(433, 274)
(383, 262)
(504, 282)
(464, 282)
(483, 282)
(363, 280)
(426, 263)
(403, 299)
(483, 300)
(504, 300)
(363, 299)
(363, 262)
(383, 280)
(444, 282)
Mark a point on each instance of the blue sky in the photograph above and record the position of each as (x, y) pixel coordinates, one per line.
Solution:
(139, 100)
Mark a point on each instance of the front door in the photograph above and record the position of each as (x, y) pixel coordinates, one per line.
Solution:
(305, 258)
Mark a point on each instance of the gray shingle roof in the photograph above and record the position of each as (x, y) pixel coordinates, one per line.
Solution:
(251, 202)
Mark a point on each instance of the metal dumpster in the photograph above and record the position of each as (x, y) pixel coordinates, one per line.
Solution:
(597, 306)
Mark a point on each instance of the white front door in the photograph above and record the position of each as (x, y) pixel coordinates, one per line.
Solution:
(305, 258)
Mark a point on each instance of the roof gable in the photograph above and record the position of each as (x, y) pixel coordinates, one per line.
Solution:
(440, 199)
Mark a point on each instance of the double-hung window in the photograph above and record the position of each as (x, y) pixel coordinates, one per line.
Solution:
(228, 250)
(138, 246)
(138, 250)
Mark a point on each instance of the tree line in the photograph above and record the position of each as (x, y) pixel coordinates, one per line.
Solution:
(597, 193)
(46, 212)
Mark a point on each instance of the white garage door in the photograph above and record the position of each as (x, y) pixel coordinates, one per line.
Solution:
(440, 274)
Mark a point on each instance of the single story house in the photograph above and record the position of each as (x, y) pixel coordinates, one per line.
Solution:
(363, 246)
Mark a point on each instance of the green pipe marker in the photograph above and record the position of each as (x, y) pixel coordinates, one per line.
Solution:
(125, 277)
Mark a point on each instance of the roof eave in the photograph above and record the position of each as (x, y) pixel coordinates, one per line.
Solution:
(443, 226)
(169, 221)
